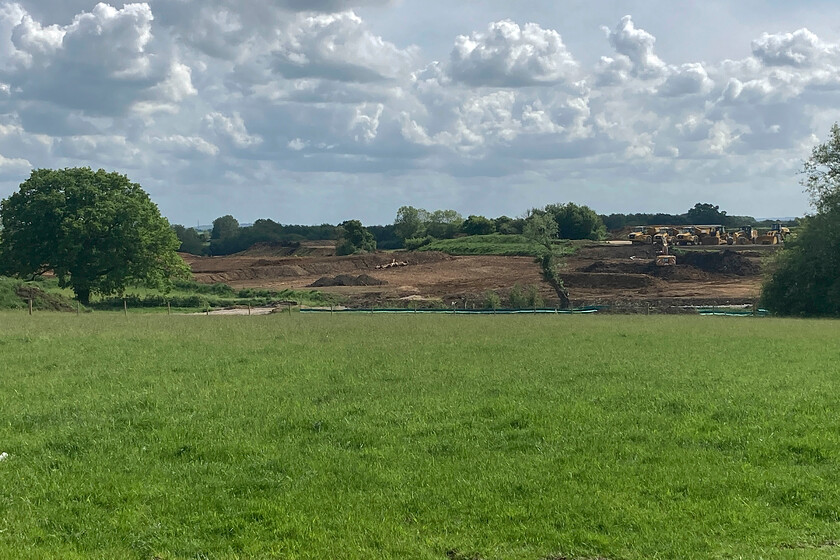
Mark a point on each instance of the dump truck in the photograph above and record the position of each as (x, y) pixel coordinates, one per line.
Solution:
(714, 235)
(687, 236)
(642, 235)
(664, 235)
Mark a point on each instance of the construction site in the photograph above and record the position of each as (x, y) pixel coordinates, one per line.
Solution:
(657, 273)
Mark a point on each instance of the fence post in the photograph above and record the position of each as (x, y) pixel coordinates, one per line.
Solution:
(125, 306)
(168, 307)
(30, 300)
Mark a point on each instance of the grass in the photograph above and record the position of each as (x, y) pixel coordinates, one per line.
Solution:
(183, 297)
(421, 437)
(495, 244)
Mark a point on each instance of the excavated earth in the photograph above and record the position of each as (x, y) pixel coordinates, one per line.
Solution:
(621, 276)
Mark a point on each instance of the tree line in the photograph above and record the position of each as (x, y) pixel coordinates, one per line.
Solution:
(415, 227)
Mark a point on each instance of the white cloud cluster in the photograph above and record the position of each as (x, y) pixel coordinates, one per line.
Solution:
(508, 55)
(215, 95)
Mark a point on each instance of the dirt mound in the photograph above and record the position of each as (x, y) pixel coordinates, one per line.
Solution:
(607, 280)
(272, 249)
(44, 301)
(681, 272)
(721, 262)
(347, 280)
(601, 252)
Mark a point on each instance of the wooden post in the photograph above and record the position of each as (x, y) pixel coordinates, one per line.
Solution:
(30, 300)
(125, 307)
(78, 306)
(168, 307)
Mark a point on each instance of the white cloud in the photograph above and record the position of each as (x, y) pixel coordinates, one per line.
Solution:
(799, 49)
(637, 46)
(337, 47)
(365, 124)
(232, 128)
(508, 55)
(185, 146)
(688, 79)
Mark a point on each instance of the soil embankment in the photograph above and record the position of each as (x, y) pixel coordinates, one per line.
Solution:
(597, 274)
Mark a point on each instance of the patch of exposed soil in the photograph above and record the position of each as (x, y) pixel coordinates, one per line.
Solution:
(722, 262)
(347, 280)
(602, 274)
(43, 301)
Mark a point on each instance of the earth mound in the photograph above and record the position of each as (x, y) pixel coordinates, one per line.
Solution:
(347, 280)
(43, 301)
(724, 262)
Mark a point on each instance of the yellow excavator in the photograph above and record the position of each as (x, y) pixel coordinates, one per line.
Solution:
(665, 258)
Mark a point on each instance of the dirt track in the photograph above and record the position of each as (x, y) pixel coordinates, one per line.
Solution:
(621, 275)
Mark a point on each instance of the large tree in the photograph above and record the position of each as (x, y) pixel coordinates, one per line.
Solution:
(410, 222)
(806, 276)
(97, 231)
(224, 227)
(577, 222)
(354, 238)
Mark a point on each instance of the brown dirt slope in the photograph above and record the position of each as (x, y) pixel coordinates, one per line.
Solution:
(598, 274)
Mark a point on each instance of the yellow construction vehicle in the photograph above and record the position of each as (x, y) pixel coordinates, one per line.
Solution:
(665, 258)
(687, 236)
(664, 235)
(782, 231)
(642, 235)
(746, 235)
(776, 234)
(714, 235)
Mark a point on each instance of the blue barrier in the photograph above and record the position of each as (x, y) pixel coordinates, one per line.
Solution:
(537, 311)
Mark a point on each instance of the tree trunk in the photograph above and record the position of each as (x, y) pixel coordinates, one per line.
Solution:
(82, 295)
(562, 293)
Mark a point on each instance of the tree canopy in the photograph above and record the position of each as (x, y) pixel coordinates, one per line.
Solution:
(224, 227)
(806, 275)
(354, 238)
(97, 231)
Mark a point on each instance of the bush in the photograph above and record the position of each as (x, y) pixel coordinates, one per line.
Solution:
(491, 300)
(533, 297)
(416, 242)
(517, 298)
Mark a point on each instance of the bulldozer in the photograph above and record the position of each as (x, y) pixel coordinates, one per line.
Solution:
(642, 235)
(746, 235)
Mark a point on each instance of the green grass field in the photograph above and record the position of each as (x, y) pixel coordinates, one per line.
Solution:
(497, 244)
(418, 437)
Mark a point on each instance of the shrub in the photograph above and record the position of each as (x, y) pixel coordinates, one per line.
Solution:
(491, 300)
(416, 242)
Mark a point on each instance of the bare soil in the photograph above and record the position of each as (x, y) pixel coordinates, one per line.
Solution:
(620, 275)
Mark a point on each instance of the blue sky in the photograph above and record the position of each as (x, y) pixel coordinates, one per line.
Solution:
(310, 111)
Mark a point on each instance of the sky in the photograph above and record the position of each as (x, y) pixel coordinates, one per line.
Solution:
(320, 111)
